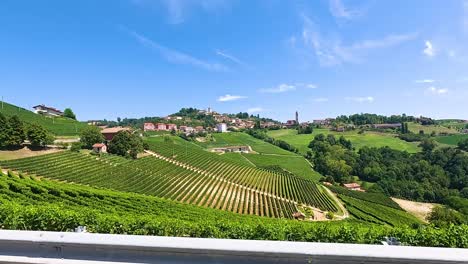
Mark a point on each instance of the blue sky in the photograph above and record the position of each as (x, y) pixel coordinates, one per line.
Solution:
(134, 58)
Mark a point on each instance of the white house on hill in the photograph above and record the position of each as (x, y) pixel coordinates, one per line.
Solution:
(221, 127)
(47, 111)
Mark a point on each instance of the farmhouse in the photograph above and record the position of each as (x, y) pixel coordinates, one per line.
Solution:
(47, 110)
(100, 148)
(221, 127)
(236, 149)
(110, 132)
(149, 127)
(353, 186)
(323, 122)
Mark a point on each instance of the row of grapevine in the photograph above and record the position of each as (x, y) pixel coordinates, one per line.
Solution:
(378, 198)
(31, 203)
(156, 177)
(373, 212)
(284, 185)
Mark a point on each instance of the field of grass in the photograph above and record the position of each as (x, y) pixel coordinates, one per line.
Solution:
(31, 203)
(452, 123)
(59, 126)
(451, 140)
(370, 139)
(294, 164)
(242, 139)
(416, 127)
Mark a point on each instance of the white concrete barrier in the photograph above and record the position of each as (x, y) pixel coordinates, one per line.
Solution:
(62, 247)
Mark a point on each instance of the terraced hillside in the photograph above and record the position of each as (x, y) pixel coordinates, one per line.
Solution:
(31, 203)
(59, 126)
(196, 180)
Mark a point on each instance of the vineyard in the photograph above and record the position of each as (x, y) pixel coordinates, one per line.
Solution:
(378, 198)
(199, 180)
(59, 126)
(377, 213)
(31, 203)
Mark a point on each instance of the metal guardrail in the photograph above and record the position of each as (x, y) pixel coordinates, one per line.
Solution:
(62, 247)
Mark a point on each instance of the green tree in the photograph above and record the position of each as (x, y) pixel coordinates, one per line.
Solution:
(441, 216)
(463, 145)
(38, 136)
(69, 113)
(90, 136)
(76, 147)
(427, 145)
(126, 144)
(16, 133)
(4, 128)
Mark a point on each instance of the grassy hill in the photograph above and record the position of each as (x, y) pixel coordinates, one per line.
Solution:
(238, 138)
(31, 203)
(371, 139)
(415, 128)
(267, 154)
(452, 139)
(59, 126)
(297, 165)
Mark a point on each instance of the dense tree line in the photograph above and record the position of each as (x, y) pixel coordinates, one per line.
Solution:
(433, 175)
(13, 133)
(260, 134)
(371, 119)
(463, 145)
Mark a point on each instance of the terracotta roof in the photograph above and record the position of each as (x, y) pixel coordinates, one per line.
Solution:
(98, 145)
(352, 185)
(114, 129)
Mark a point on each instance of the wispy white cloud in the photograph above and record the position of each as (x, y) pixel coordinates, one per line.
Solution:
(178, 10)
(320, 100)
(230, 57)
(282, 88)
(330, 52)
(177, 57)
(429, 49)
(436, 91)
(254, 110)
(339, 10)
(366, 99)
(228, 97)
(425, 81)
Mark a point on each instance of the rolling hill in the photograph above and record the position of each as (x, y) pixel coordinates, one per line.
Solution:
(370, 139)
(59, 126)
(266, 154)
(32, 203)
(188, 176)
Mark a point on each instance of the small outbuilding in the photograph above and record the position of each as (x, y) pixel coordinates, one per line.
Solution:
(299, 216)
(100, 148)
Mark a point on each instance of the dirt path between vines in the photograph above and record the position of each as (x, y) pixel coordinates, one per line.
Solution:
(420, 210)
